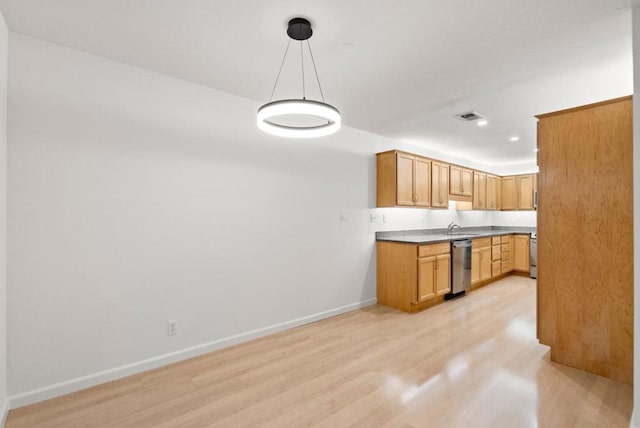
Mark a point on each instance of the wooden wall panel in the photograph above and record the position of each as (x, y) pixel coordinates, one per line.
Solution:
(585, 228)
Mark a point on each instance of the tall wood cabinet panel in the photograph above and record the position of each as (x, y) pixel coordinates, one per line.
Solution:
(403, 179)
(439, 185)
(585, 225)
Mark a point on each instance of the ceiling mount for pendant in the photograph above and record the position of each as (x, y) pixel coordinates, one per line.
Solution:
(299, 29)
(311, 118)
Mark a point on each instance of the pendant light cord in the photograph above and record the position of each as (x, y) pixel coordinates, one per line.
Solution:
(315, 70)
(280, 71)
(304, 95)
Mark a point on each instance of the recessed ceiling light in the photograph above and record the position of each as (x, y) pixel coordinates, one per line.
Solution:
(514, 139)
(482, 122)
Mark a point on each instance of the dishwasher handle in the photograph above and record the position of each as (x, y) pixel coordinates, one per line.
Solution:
(463, 243)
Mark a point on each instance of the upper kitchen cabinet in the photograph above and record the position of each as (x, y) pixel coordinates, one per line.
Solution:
(519, 192)
(493, 189)
(439, 185)
(460, 181)
(508, 190)
(479, 190)
(403, 180)
(585, 222)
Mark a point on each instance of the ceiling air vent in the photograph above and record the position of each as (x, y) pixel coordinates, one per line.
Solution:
(470, 116)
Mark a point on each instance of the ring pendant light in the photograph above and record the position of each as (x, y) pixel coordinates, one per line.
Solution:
(327, 115)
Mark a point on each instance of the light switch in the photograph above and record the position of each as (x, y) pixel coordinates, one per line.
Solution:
(344, 215)
(385, 218)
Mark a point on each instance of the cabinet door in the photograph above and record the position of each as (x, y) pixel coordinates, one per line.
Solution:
(521, 253)
(426, 278)
(508, 193)
(467, 182)
(443, 274)
(525, 192)
(475, 265)
(422, 181)
(485, 263)
(404, 180)
(455, 180)
(495, 268)
(479, 190)
(492, 194)
(439, 185)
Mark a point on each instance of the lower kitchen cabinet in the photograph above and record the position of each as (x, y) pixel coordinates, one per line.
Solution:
(496, 255)
(521, 261)
(506, 258)
(433, 276)
(480, 260)
(413, 277)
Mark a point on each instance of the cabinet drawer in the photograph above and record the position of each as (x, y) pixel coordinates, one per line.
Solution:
(481, 242)
(504, 248)
(495, 268)
(505, 239)
(495, 252)
(433, 249)
(495, 240)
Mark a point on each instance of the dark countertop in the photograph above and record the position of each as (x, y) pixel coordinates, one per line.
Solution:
(433, 236)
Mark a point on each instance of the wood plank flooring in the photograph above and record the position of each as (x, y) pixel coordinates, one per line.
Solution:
(470, 362)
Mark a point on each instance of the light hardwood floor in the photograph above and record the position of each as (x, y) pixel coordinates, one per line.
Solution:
(471, 362)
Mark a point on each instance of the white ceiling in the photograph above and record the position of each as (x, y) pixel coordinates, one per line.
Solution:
(402, 69)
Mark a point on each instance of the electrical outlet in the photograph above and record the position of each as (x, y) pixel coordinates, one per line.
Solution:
(385, 218)
(172, 328)
(372, 218)
(344, 215)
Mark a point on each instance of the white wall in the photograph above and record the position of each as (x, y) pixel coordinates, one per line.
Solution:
(136, 199)
(4, 48)
(636, 212)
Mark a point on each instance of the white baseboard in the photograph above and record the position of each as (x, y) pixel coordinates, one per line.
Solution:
(5, 413)
(73, 385)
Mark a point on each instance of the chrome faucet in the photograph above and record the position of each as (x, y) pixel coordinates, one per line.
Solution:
(452, 226)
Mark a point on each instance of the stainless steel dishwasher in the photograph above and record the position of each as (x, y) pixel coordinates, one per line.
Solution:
(460, 267)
